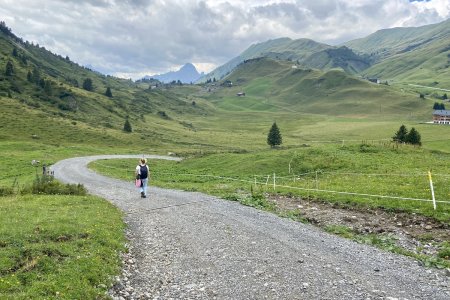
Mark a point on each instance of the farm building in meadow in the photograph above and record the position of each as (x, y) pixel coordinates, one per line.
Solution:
(441, 116)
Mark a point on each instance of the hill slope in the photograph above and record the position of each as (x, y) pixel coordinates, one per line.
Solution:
(272, 85)
(415, 55)
(58, 100)
(419, 55)
(304, 52)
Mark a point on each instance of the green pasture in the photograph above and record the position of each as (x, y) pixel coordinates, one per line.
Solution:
(369, 174)
(331, 93)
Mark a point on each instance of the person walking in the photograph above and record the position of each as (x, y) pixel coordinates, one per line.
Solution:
(143, 173)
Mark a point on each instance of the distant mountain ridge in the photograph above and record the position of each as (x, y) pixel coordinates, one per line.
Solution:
(419, 55)
(387, 42)
(304, 52)
(186, 74)
(396, 53)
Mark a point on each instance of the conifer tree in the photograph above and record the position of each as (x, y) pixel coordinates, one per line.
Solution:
(42, 83)
(108, 92)
(48, 87)
(274, 137)
(29, 76)
(36, 75)
(400, 135)
(413, 137)
(9, 69)
(127, 126)
(87, 84)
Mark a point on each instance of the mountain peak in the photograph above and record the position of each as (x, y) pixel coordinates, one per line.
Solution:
(186, 74)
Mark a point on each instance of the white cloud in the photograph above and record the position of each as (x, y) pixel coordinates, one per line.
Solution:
(136, 37)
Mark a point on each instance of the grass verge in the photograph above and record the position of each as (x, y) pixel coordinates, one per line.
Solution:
(58, 246)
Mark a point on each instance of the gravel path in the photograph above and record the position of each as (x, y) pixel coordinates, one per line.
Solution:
(186, 245)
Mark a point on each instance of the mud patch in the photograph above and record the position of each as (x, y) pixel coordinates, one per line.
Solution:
(412, 232)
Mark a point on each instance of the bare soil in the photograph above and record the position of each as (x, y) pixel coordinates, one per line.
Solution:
(415, 233)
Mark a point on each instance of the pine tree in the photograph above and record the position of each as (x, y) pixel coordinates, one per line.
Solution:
(48, 87)
(30, 76)
(444, 97)
(108, 92)
(127, 126)
(87, 84)
(274, 137)
(14, 52)
(400, 135)
(9, 69)
(413, 137)
(36, 75)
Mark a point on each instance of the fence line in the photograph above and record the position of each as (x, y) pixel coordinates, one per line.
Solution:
(267, 177)
(308, 189)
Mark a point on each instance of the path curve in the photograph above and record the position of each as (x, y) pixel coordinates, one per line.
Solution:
(189, 245)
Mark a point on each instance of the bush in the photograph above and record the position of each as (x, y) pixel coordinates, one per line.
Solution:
(6, 191)
(47, 185)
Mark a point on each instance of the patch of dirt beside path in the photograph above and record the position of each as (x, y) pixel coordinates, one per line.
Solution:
(415, 233)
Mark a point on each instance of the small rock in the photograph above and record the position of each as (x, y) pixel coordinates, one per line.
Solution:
(428, 227)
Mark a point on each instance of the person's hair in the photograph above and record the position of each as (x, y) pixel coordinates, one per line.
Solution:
(143, 161)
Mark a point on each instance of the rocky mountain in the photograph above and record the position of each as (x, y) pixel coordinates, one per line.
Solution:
(186, 74)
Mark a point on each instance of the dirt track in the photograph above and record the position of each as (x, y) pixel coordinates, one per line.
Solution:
(190, 245)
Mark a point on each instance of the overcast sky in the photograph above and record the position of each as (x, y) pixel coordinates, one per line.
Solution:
(133, 38)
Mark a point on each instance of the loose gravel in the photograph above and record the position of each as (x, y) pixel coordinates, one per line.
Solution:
(185, 245)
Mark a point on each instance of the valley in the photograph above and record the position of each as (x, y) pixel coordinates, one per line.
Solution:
(337, 155)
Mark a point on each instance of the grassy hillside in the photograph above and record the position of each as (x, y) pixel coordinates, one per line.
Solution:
(43, 101)
(429, 66)
(304, 52)
(419, 55)
(277, 86)
(388, 42)
(408, 55)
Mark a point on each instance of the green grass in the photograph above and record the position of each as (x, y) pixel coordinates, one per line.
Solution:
(58, 247)
(385, 170)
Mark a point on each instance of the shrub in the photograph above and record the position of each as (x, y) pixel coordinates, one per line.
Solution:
(6, 191)
(47, 185)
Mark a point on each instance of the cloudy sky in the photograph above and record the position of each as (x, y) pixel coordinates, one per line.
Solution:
(133, 38)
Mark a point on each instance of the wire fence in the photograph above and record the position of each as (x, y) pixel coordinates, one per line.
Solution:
(276, 183)
(395, 186)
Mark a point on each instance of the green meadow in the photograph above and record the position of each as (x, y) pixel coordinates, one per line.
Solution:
(368, 175)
